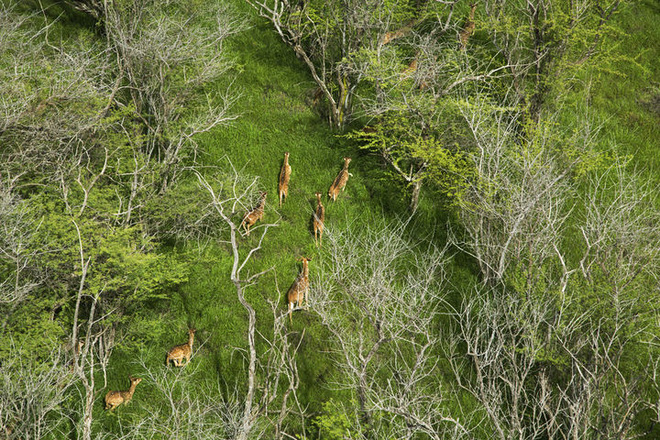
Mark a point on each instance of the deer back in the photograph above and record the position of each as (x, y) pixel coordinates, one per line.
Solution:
(285, 172)
(256, 213)
(319, 214)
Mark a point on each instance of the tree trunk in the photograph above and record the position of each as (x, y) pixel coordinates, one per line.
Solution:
(414, 199)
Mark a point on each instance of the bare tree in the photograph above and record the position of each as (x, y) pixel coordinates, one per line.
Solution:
(272, 378)
(327, 35)
(570, 353)
(18, 250)
(65, 118)
(380, 312)
(515, 204)
(193, 409)
(163, 60)
(31, 395)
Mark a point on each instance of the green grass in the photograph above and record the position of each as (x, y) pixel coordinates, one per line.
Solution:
(627, 99)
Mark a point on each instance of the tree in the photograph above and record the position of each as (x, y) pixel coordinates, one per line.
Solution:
(379, 298)
(415, 155)
(560, 342)
(556, 39)
(327, 35)
(165, 59)
(32, 393)
(19, 251)
(272, 375)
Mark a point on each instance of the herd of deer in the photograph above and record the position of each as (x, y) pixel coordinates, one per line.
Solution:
(298, 292)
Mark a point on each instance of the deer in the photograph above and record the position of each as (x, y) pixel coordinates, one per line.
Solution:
(180, 352)
(468, 28)
(256, 213)
(318, 220)
(340, 181)
(299, 289)
(285, 174)
(115, 398)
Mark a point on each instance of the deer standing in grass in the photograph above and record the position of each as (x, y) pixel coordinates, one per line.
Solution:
(115, 398)
(180, 352)
(319, 219)
(340, 180)
(285, 174)
(299, 289)
(468, 28)
(256, 213)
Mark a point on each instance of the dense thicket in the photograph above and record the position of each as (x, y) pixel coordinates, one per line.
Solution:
(518, 300)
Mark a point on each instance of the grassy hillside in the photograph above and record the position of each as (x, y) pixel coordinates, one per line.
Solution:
(274, 93)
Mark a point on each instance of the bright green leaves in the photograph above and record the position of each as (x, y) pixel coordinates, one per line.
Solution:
(416, 155)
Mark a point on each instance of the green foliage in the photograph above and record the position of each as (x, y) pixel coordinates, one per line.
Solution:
(335, 423)
(407, 147)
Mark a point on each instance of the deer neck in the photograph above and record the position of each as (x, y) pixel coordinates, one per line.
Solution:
(131, 390)
(191, 339)
(305, 271)
(472, 8)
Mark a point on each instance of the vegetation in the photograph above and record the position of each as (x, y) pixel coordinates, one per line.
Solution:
(490, 269)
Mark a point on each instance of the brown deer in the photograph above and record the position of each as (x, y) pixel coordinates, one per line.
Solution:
(468, 28)
(115, 398)
(285, 174)
(180, 352)
(256, 213)
(299, 289)
(340, 180)
(319, 219)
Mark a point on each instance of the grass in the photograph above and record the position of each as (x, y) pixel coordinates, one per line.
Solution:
(627, 98)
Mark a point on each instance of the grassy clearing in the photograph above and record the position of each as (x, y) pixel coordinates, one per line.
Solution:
(276, 117)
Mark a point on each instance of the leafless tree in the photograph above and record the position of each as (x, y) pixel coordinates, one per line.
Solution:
(504, 337)
(272, 378)
(553, 356)
(514, 206)
(162, 61)
(50, 96)
(18, 250)
(67, 107)
(380, 312)
(193, 409)
(31, 394)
